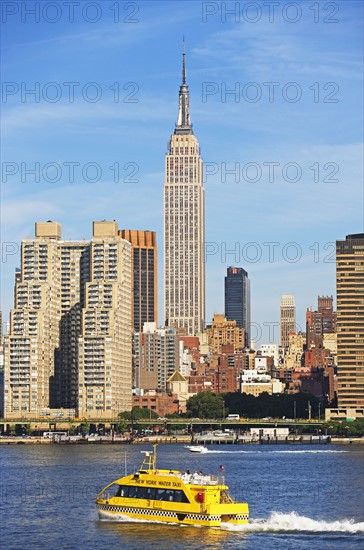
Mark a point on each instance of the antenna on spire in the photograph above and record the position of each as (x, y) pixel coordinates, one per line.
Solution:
(183, 61)
(183, 125)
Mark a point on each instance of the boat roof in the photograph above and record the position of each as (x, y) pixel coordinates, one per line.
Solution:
(149, 468)
(195, 478)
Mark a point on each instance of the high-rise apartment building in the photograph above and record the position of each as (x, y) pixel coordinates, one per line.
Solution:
(350, 323)
(320, 322)
(237, 299)
(33, 337)
(222, 332)
(184, 224)
(326, 308)
(144, 276)
(68, 345)
(156, 356)
(287, 318)
(1, 370)
(74, 271)
(105, 346)
(314, 334)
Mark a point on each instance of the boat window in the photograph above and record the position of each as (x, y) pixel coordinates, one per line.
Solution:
(161, 494)
(133, 492)
(119, 491)
(179, 496)
(145, 492)
(169, 495)
(151, 493)
(111, 491)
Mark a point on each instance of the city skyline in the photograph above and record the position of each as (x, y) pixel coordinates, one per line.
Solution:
(285, 230)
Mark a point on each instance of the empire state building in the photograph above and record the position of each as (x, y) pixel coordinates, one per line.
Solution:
(184, 224)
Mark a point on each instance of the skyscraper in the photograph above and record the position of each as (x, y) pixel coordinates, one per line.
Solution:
(184, 224)
(105, 346)
(68, 344)
(288, 318)
(34, 350)
(350, 323)
(144, 276)
(237, 299)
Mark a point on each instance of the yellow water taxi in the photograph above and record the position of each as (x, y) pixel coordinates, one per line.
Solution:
(170, 496)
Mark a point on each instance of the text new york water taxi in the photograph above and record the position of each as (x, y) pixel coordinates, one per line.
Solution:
(170, 496)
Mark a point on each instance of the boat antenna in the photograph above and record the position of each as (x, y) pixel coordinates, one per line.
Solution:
(155, 445)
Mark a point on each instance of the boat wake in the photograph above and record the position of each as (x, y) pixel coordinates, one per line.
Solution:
(298, 451)
(290, 523)
(277, 523)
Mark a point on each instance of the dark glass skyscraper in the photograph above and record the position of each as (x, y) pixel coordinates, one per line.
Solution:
(144, 276)
(237, 299)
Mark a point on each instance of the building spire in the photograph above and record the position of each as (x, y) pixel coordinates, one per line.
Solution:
(183, 61)
(183, 125)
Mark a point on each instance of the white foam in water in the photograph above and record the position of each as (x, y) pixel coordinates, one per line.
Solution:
(277, 522)
(298, 451)
(280, 522)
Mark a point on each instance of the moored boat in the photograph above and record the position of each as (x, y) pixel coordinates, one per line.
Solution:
(170, 496)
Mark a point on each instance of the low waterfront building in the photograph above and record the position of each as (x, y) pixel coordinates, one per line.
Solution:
(279, 433)
(161, 403)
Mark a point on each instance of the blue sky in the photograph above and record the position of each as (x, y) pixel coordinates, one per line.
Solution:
(291, 131)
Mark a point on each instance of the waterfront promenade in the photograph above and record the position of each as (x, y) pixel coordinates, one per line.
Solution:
(208, 440)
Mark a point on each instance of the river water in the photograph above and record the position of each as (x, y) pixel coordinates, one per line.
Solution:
(300, 497)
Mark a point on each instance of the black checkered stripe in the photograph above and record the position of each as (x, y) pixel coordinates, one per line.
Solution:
(122, 510)
(159, 513)
(239, 517)
(203, 517)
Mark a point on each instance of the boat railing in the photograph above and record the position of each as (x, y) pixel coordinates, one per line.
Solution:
(198, 478)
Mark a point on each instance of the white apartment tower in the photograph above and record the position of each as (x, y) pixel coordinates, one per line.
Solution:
(68, 345)
(184, 224)
(33, 332)
(105, 347)
(156, 356)
(288, 318)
